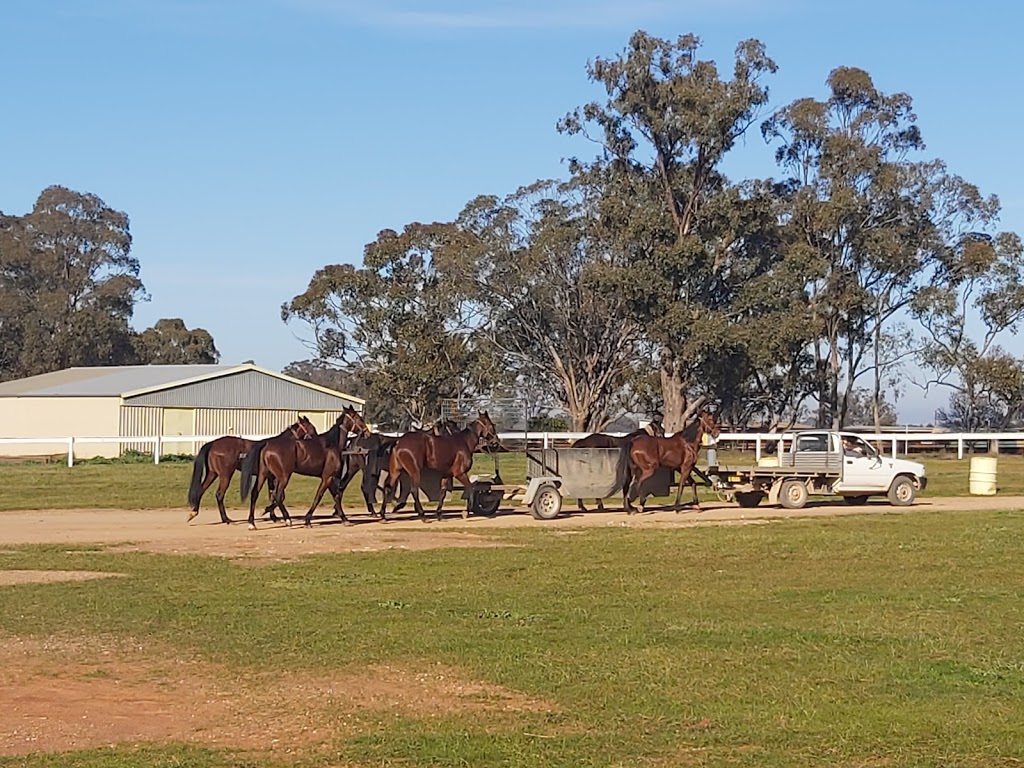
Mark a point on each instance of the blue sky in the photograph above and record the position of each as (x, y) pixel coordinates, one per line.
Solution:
(254, 141)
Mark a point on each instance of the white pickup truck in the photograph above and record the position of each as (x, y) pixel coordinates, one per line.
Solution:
(822, 463)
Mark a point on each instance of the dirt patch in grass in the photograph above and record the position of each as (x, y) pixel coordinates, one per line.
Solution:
(47, 577)
(64, 694)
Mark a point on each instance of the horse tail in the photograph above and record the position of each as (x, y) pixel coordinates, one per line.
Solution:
(198, 475)
(623, 473)
(249, 468)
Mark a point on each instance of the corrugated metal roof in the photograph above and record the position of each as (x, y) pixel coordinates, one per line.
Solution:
(104, 381)
(118, 381)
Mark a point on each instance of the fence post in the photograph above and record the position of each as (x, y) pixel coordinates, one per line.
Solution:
(71, 451)
(156, 450)
(757, 449)
(546, 443)
(959, 447)
(894, 441)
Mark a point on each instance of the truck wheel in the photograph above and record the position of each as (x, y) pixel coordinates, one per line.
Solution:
(547, 502)
(855, 500)
(793, 494)
(902, 492)
(748, 499)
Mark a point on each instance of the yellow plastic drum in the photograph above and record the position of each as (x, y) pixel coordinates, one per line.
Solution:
(982, 477)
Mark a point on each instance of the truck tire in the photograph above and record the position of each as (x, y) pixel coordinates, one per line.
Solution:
(902, 492)
(793, 494)
(547, 502)
(749, 499)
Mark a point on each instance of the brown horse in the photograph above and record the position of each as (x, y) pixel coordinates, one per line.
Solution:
(450, 455)
(640, 458)
(219, 459)
(282, 457)
(371, 458)
(600, 440)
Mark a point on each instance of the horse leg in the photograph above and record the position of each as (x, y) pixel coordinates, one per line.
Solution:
(325, 482)
(414, 481)
(222, 489)
(600, 505)
(269, 509)
(261, 477)
(645, 474)
(579, 504)
(683, 482)
(279, 499)
(446, 486)
(210, 476)
(464, 479)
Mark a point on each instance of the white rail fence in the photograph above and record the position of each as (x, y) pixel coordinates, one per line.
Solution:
(918, 441)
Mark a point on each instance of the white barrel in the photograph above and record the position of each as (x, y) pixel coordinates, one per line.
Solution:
(982, 477)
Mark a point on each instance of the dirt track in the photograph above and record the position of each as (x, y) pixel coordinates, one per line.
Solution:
(167, 530)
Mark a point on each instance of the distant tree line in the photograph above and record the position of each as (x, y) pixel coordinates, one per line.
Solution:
(647, 278)
(68, 287)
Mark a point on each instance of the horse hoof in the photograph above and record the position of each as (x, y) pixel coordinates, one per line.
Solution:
(252, 527)
(192, 516)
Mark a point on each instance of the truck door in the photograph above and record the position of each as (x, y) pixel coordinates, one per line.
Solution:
(863, 468)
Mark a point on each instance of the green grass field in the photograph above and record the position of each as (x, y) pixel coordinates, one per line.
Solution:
(147, 486)
(862, 641)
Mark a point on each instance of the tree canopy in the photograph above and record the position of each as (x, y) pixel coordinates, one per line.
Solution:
(69, 285)
(648, 280)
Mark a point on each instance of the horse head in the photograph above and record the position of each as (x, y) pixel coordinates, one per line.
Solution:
(352, 420)
(306, 430)
(302, 429)
(709, 423)
(485, 429)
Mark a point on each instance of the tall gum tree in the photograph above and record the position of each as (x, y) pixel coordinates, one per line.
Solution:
(68, 285)
(400, 323)
(874, 226)
(536, 259)
(667, 123)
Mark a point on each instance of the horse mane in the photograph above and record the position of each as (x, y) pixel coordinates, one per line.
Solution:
(690, 431)
(332, 437)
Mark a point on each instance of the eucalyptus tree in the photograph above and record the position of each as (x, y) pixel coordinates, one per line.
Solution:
(875, 227)
(68, 285)
(537, 266)
(400, 324)
(667, 124)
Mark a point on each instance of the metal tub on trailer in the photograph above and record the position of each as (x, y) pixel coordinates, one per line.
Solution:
(579, 473)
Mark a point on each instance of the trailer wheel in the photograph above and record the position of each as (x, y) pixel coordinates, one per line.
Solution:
(855, 500)
(902, 492)
(547, 502)
(486, 503)
(748, 499)
(793, 494)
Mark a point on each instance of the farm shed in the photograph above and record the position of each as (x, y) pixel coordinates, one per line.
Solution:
(149, 400)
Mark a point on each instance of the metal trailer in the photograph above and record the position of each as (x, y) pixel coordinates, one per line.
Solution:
(815, 464)
(585, 473)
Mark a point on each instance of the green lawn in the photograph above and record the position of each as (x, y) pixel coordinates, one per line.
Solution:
(149, 486)
(863, 641)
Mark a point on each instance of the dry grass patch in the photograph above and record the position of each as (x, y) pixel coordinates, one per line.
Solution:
(10, 577)
(65, 694)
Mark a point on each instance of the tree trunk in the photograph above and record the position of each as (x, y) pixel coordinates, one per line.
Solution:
(876, 395)
(673, 392)
(833, 384)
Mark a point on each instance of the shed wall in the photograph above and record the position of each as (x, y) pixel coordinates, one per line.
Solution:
(59, 417)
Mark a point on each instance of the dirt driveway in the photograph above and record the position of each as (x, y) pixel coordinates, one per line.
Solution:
(167, 530)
